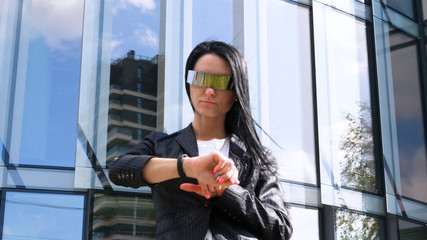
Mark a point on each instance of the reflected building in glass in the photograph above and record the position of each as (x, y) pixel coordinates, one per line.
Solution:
(339, 85)
(132, 109)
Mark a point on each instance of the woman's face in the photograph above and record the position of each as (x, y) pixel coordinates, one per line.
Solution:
(209, 102)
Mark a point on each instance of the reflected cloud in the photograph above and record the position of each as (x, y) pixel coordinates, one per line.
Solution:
(147, 36)
(56, 21)
(142, 5)
(7, 231)
(115, 43)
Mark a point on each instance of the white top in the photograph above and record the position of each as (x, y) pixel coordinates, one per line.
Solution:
(205, 147)
(221, 145)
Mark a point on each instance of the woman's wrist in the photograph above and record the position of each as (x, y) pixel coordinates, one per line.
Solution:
(187, 166)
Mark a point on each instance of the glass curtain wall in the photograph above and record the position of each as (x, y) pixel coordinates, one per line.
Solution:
(334, 83)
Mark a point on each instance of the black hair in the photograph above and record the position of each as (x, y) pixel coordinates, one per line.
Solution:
(239, 119)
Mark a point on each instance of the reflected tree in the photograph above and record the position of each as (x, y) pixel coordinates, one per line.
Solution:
(356, 226)
(358, 165)
(357, 172)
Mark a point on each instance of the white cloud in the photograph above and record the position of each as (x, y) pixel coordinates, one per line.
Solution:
(147, 37)
(143, 5)
(57, 21)
(115, 43)
(7, 231)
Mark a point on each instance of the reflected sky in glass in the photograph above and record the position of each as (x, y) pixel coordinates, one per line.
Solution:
(289, 92)
(53, 31)
(135, 27)
(212, 20)
(305, 222)
(409, 119)
(43, 216)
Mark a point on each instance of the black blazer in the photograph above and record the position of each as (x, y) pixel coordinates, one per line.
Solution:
(254, 209)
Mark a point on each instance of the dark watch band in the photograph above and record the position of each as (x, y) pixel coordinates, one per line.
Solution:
(179, 165)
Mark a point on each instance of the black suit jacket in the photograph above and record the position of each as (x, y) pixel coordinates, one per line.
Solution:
(254, 209)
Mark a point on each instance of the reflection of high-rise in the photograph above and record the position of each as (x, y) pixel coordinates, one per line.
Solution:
(132, 111)
(132, 114)
(120, 217)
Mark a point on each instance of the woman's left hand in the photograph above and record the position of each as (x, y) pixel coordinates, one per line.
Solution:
(221, 172)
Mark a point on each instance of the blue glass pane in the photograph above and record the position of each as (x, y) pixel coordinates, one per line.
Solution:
(212, 20)
(288, 92)
(43, 216)
(44, 94)
(133, 74)
(409, 118)
(404, 6)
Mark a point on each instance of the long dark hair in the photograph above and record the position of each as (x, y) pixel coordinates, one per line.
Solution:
(239, 119)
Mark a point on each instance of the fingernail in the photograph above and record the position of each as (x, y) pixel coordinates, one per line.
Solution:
(216, 175)
(215, 171)
(221, 180)
(207, 196)
(180, 187)
(233, 181)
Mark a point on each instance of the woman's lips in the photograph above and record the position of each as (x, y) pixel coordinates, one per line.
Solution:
(208, 103)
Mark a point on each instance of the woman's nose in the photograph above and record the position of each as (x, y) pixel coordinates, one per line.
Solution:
(210, 91)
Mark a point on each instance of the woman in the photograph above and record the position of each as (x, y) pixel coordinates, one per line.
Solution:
(213, 179)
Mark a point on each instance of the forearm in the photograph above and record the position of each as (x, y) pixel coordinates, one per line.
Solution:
(160, 169)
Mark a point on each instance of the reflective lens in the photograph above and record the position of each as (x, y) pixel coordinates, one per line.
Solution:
(208, 80)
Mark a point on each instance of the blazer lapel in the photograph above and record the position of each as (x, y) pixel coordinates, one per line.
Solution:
(187, 140)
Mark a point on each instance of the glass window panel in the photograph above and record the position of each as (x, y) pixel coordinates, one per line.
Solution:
(212, 20)
(305, 222)
(123, 217)
(43, 216)
(289, 92)
(409, 230)
(44, 95)
(409, 117)
(133, 73)
(349, 225)
(343, 98)
(406, 7)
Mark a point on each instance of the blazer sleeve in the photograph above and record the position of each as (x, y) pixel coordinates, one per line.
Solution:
(263, 211)
(126, 170)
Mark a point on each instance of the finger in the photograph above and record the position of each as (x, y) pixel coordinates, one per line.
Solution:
(226, 173)
(220, 159)
(205, 191)
(189, 187)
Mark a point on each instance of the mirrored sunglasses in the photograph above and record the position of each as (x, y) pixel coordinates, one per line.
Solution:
(208, 80)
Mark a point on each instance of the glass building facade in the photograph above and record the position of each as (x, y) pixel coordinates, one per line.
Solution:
(340, 86)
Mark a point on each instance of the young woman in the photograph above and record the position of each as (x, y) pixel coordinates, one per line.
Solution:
(212, 179)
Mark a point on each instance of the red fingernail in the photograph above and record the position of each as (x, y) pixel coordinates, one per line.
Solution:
(220, 180)
(215, 171)
(207, 196)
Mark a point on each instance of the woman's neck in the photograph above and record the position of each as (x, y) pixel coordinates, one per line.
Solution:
(209, 128)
